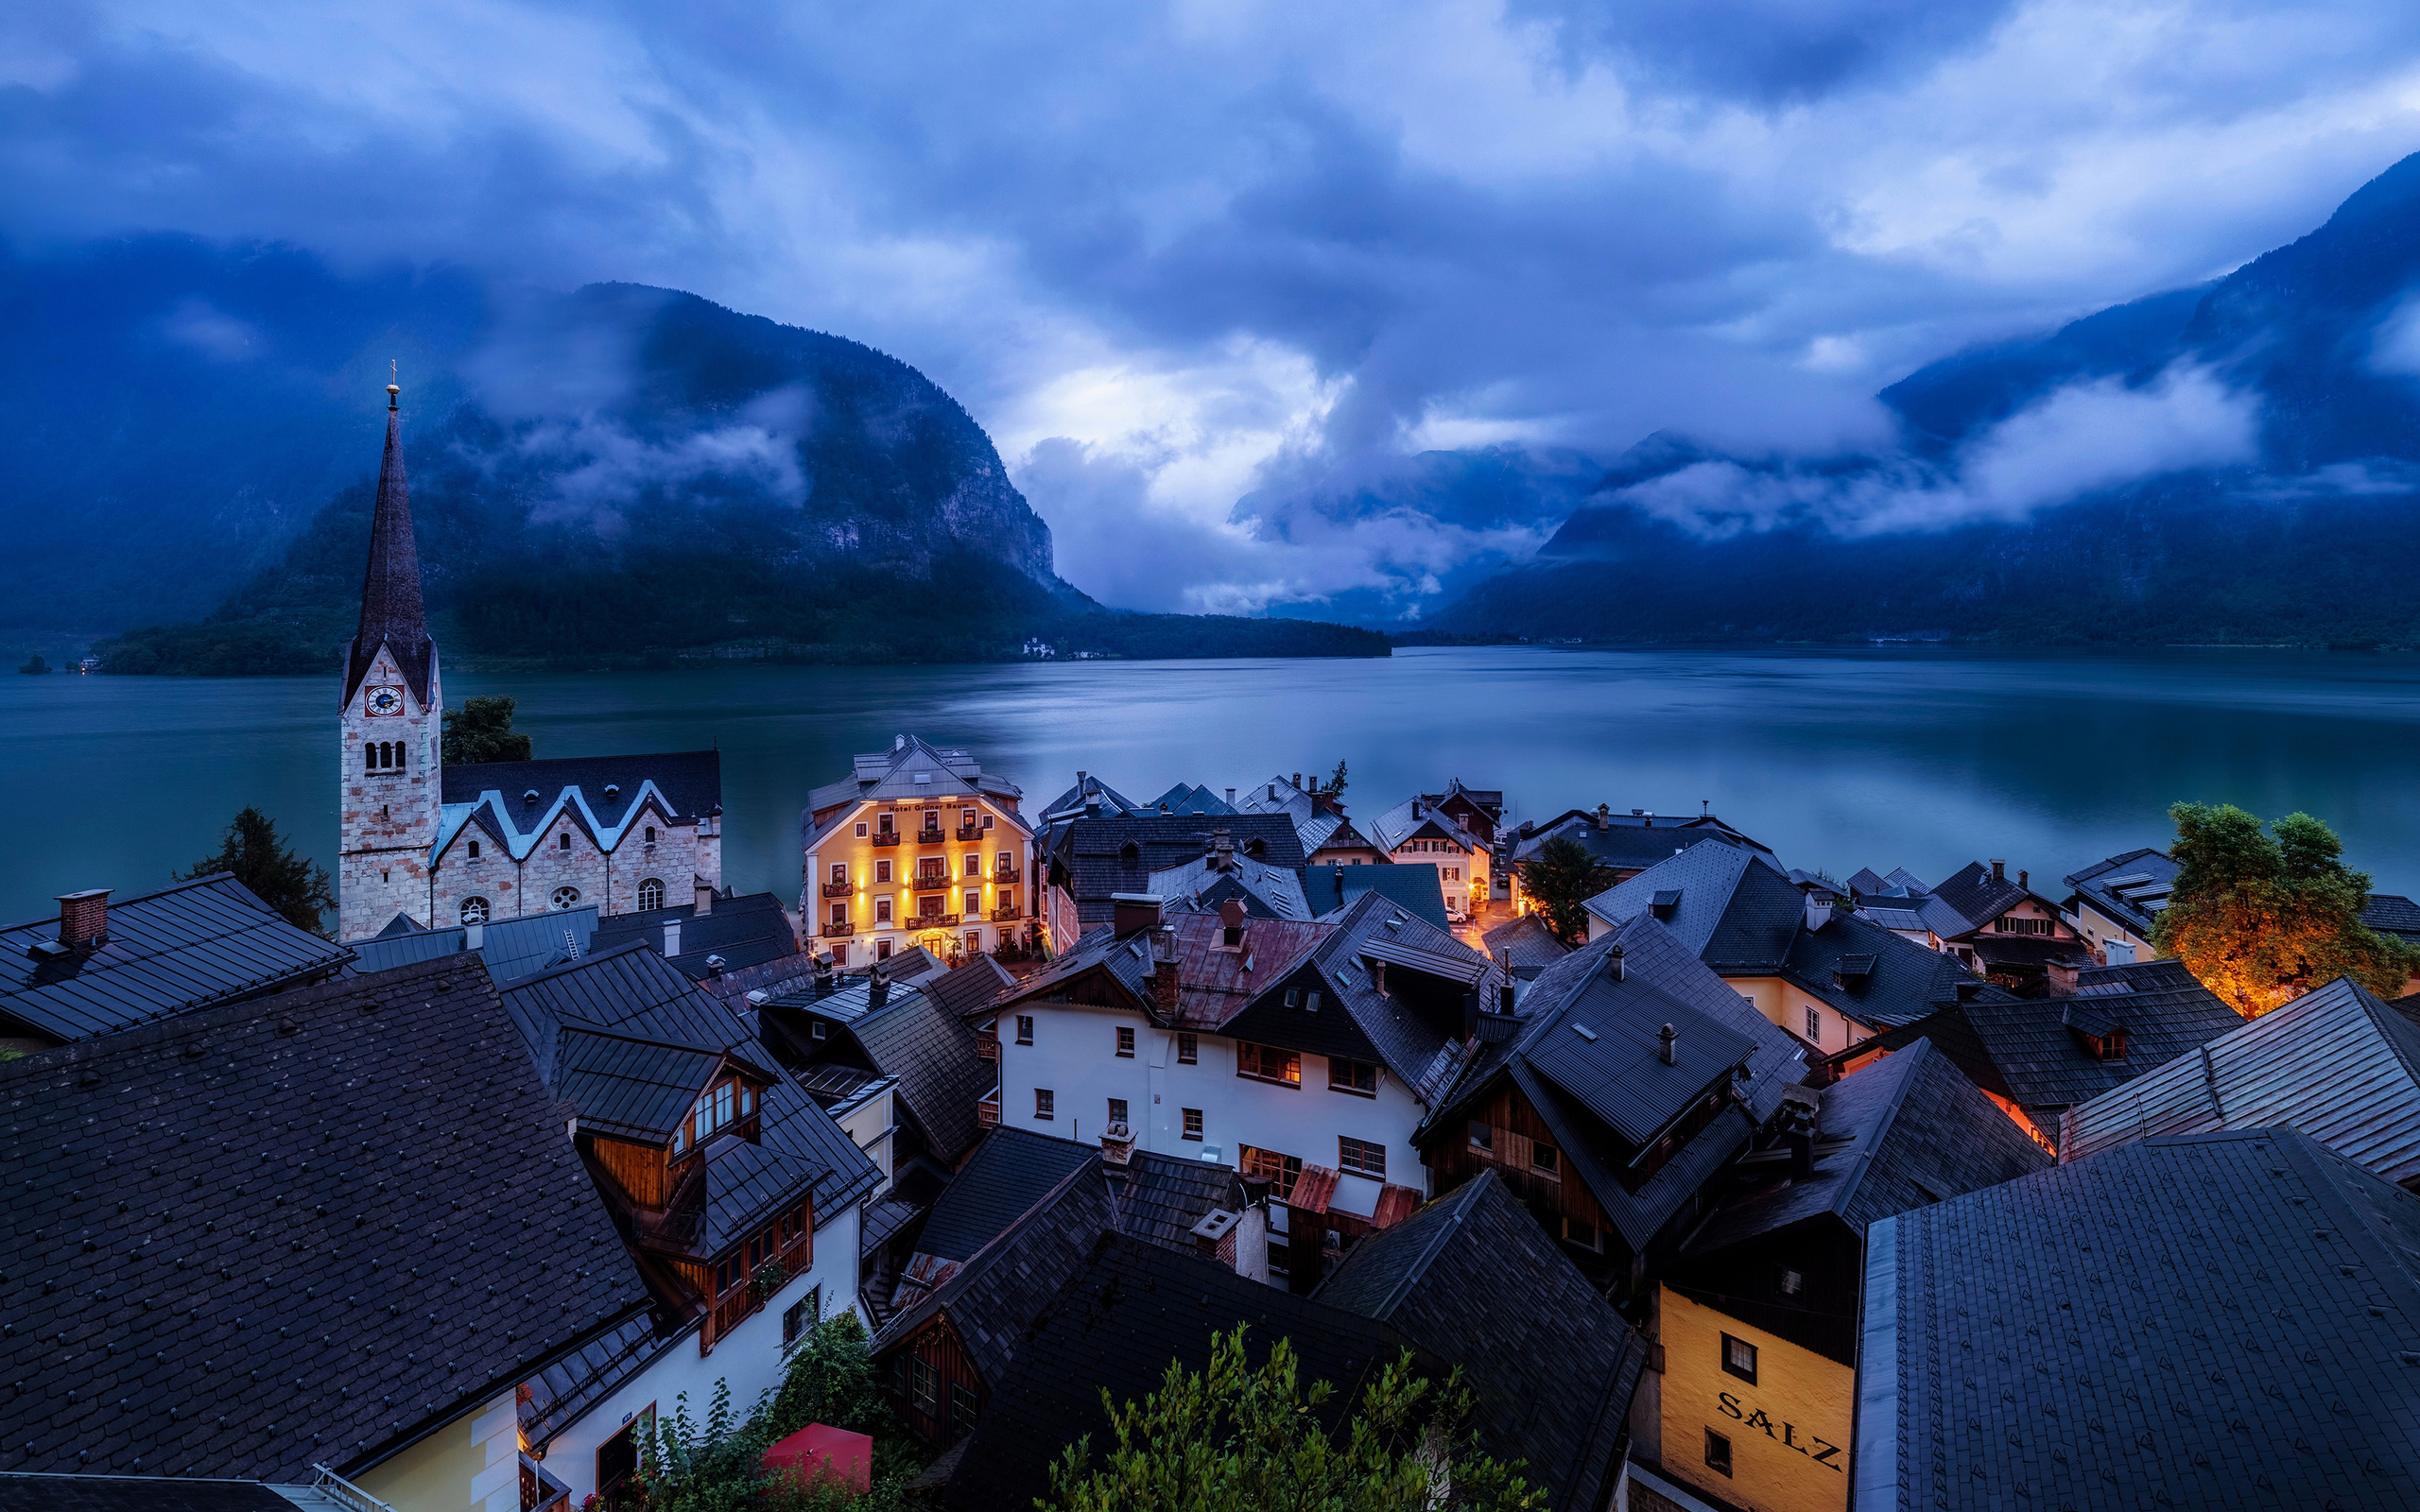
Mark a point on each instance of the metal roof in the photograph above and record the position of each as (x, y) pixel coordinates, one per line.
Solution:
(1464, 966)
(627, 1085)
(1606, 1055)
(514, 948)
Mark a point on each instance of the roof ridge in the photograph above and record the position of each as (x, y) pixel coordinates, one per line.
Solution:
(1870, 1142)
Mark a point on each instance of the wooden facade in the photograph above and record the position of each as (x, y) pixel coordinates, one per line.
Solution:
(934, 1385)
(636, 1169)
(1516, 1131)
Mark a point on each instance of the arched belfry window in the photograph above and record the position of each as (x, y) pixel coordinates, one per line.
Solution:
(474, 910)
(651, 894)
(369, 755)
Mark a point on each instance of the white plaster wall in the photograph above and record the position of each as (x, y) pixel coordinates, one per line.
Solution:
(1074, 1054)
(750, 1357)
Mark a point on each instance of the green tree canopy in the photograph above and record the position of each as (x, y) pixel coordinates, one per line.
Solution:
(1561, 879)
(2263, 917)
(1236, 1439)
(482, 731)
(295, 885)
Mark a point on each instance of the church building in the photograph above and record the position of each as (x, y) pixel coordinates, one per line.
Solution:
(444, 846)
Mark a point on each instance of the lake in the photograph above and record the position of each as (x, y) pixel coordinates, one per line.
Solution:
(1919, 758)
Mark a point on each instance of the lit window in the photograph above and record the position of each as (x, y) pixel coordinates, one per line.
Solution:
(651, 894)
(1814, 1028)
(841, 915)
(1188, 1049)
(1193, 1122)
(1280, 1171)
(566, 897)
(1045, 1103)
(1117, 1109)
(1005, 862)
(882, 914)
(1718, 1452)
(1740, 1358)
(861, 830)
(1025, 1028)
(1268, 1063)
(1791, 1283)
(1351, 1077)
(1126, 1042)
(1361, 1156)
(839, 873)
(474, 910)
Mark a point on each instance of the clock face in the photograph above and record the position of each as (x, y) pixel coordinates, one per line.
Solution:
(386, 701)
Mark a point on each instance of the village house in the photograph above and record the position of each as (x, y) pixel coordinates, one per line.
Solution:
(2000, 930)
(1623, 844)
(513, 947)
(1304, 1053)
(2113, 903)
(468, 845)
(1611, 1103)
(1419, 830)
(1415, 889)
(1328, 837)
(1095, 857)
(1758, 1318)
(709, 935)
(2335, 1063)
(2213, 1320)
(96, 966)
(2037, 1058)
(918, 845)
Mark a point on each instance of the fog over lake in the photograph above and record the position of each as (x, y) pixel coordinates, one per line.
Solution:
(1917, 758)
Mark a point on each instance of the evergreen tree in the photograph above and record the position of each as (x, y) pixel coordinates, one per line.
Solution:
(295, 885)
(1236, 1439)
(1336, 781)
(482, 731)
(1560, 880)
(2263, 918)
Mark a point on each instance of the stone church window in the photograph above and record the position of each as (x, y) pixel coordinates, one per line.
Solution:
(566, 897)
(475, 849)
(650, 893)
(474, 910)
(650, 834)
(562, 841)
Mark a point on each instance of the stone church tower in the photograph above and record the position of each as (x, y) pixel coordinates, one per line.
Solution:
(389, 784)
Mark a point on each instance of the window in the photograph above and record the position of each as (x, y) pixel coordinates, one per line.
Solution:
(882, 869)
(1311, 1001)
(1351, 1077)
(1117, 1109)
(1740, 1358)
(974, 864)
(1586, 1235)
(566, 897)
(861, 829)
(1268, 1063)
(987, 821)
(1545, 1159)
(841, 915)
(474, 910)
(921, 1388)
(973, 900)
(974, 943)
(2111, 1046)
(1192, 1122)
(1814, 1028)
(961, 1409)
(802, 1316)
(562, 841)
(1361, 1156)
(1718, 1452)
(887, 820)
(1789, 1283)
(1004, 862)
(840, 954)
(1482, 1136)
(1025, 1028)
(1189, 1050)
(882, 947)
(1045, 1103)
(823, 1030)
(1126, 1042)
(651, 894)
(475, 849)
(1280, 1171)
(966, 817)
(839, 873)
(882, 913)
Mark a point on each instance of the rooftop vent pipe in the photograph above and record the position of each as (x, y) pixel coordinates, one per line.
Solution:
(1666, 1039)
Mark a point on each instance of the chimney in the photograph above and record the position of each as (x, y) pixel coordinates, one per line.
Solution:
(671, 938)
(1666, 1039)
(1505, 994)
(2021, 881)
(83, 917)
(1117, 1144)
(1802, 1144)
(1604, 816)
(1298, 782)
(1079, 781)
(1999, 871)
(705, 897)
(2062, 975)
(715, 965)
(474, 934)
(1273, 792)
(823, 977)
(1819, 910)
(877, 988)
(1131, 913)
(1164, 971)
(1231, 920)
(1222, 851)
(1620, 966)
(1378, 977)
(1230, 798)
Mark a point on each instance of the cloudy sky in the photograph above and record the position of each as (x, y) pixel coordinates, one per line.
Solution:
(1177, 256)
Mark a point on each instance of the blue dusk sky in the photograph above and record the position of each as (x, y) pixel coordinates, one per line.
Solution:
(1177, 256)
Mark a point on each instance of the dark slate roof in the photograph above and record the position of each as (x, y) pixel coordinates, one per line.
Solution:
(916, 1038)
(1414, 816)
(625, 1086)
(1661, 977)
(1411, 886)
(630, 990)
(514, 948)
(135, 1493)
(2089, 1337)
(391, 612)
(1705, 876)
(1186, 799)
(1093, 852)
(2392, 914)
(1266, 891)
(2335, 1063)
(184, 947)
(1524, 946)
(690, 781)
(1626, 843)
(967, 988)
(319, 1187)
(1605, 1056)
(1901, 982)
(2124, 887)
(1010, 1173)
(748, 930)
(992, 1299)
(1475, 1281)
(1129, 1310)
(1903, 1131)
(1978, 896)
(912, 772)
(1160, 1197)
(2025, 1050)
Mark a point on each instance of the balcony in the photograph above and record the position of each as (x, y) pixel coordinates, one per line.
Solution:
(968, 831)
(886, 837)
(838, 930)
(837, 889)
(931, 921)
(744, 1300)
(987, 1113)
(986, 1044)
(1007, 874)
(1001, 916)
(931, 881)
(932, 837)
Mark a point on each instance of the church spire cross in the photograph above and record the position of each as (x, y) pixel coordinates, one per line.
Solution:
(392, 614)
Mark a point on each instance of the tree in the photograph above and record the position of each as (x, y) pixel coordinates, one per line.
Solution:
(2263, 917)
(1336, 781)
(295, 885)
(1561, 879)
(1236, 1439)
(482, 731)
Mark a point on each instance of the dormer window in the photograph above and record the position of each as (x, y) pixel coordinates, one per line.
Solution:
(2111, 1046)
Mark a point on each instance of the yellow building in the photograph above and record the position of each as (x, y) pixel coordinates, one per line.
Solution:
(1749, 1417)
(917, 846)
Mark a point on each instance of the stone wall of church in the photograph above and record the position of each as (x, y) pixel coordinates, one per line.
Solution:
(387, 814)
(608, 883)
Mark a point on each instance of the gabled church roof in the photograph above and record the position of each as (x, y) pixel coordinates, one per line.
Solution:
(391, 612)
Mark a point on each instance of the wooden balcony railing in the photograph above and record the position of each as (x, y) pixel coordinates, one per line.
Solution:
(987, 1111)
(1007, 874)
(968, 831)
(742, 1301)
(986, 1044)
(888, 837)
(931, 837)
(930, 881)
(838, 889)
(1006, 913)
(839, 931)
(932, 921)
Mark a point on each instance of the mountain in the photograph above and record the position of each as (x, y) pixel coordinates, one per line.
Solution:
(618, 476)
(2234, 463)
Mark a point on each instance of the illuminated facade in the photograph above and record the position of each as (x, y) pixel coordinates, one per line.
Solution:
(917, 846)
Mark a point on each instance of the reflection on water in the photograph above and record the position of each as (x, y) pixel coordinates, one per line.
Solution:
(1914, 758)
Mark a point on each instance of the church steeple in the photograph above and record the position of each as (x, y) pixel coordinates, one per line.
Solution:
(391, 612)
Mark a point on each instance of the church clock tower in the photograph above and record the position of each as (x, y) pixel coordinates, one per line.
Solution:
(388, 782)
